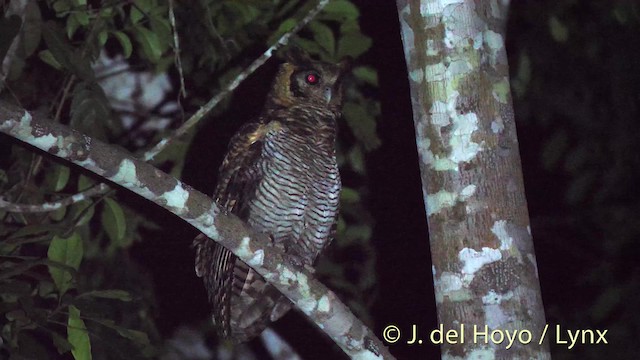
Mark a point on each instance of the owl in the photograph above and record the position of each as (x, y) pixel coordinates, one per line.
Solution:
(280, 175)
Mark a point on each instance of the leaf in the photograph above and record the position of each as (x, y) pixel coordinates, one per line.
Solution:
(135, 335)
(47, 57)
(366, 74)
(341, 9)
(90, 110)
(362, 124)
(66, 55)
(103, 36)
(356, 159)
(353, 233)
(82, 212)
(32, 28)
(109, 294)
(78, 336)
(125, 42)
(9, 28)
(135, 15)
(113, 221)
(284, 27)
(323, 35)
(68, 252)
(85, 182)
(32, 231)
(73, 24)
(559, 31)
(61, 7)
(150, 43)
(310, 47)
(61, 344)
(353, 44)
(58, 178)
(45, 288)
(349, 195)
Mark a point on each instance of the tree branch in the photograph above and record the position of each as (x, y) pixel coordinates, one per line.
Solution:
(309, 295)
(206, 108)
(54, 205)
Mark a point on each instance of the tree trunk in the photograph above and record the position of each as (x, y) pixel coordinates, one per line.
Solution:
(484, 266)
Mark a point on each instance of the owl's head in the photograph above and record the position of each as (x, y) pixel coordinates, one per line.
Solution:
(302, 80)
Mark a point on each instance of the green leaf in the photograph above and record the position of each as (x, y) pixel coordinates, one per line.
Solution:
(284, 27)
(146, 5)
(356, 159)
(82, 212)
(47, 57)
(341, 9)
(78, 336)
(559, 31)
(137, 336)
(66, 55)
(135, 15)
(354, 233)
(362, 124)
(310, 47)
(109, 294)
(45, 288)
(31, 29)
(90, 110)
(58, 178)
(349, 195)
(323, 35)
(102, 38)
(125, 42)
(85, 182)
(366, 74)
(150, 43)
(61, 7)
(9, 28)
(114, 221)
(61, 344)
(68, 252)
(73, 24)
(353, 44)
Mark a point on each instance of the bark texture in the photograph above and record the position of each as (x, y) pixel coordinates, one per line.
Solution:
(484, 266)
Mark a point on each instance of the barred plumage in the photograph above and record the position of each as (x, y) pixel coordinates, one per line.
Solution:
(280, 175)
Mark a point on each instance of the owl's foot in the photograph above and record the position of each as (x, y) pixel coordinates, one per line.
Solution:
(299, 261)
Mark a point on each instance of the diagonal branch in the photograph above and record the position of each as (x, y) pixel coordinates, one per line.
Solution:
(206, 108)
(309, 295)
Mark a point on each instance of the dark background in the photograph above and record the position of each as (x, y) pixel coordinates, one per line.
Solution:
(576, 105)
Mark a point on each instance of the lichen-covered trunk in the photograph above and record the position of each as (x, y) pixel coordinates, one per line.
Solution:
(484, 266)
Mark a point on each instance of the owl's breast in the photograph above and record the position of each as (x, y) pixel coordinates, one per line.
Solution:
(296, 200)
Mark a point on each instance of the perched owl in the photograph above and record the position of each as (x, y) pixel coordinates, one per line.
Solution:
(280, 176)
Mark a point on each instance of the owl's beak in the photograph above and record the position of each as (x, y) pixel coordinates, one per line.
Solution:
(328, 94)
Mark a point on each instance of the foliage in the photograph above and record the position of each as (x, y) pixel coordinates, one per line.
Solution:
(68, 284)
(575, 82)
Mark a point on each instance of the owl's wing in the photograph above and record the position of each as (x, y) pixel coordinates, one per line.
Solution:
(238, 177)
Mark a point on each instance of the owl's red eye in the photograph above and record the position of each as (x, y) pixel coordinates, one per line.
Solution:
(312, 78)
